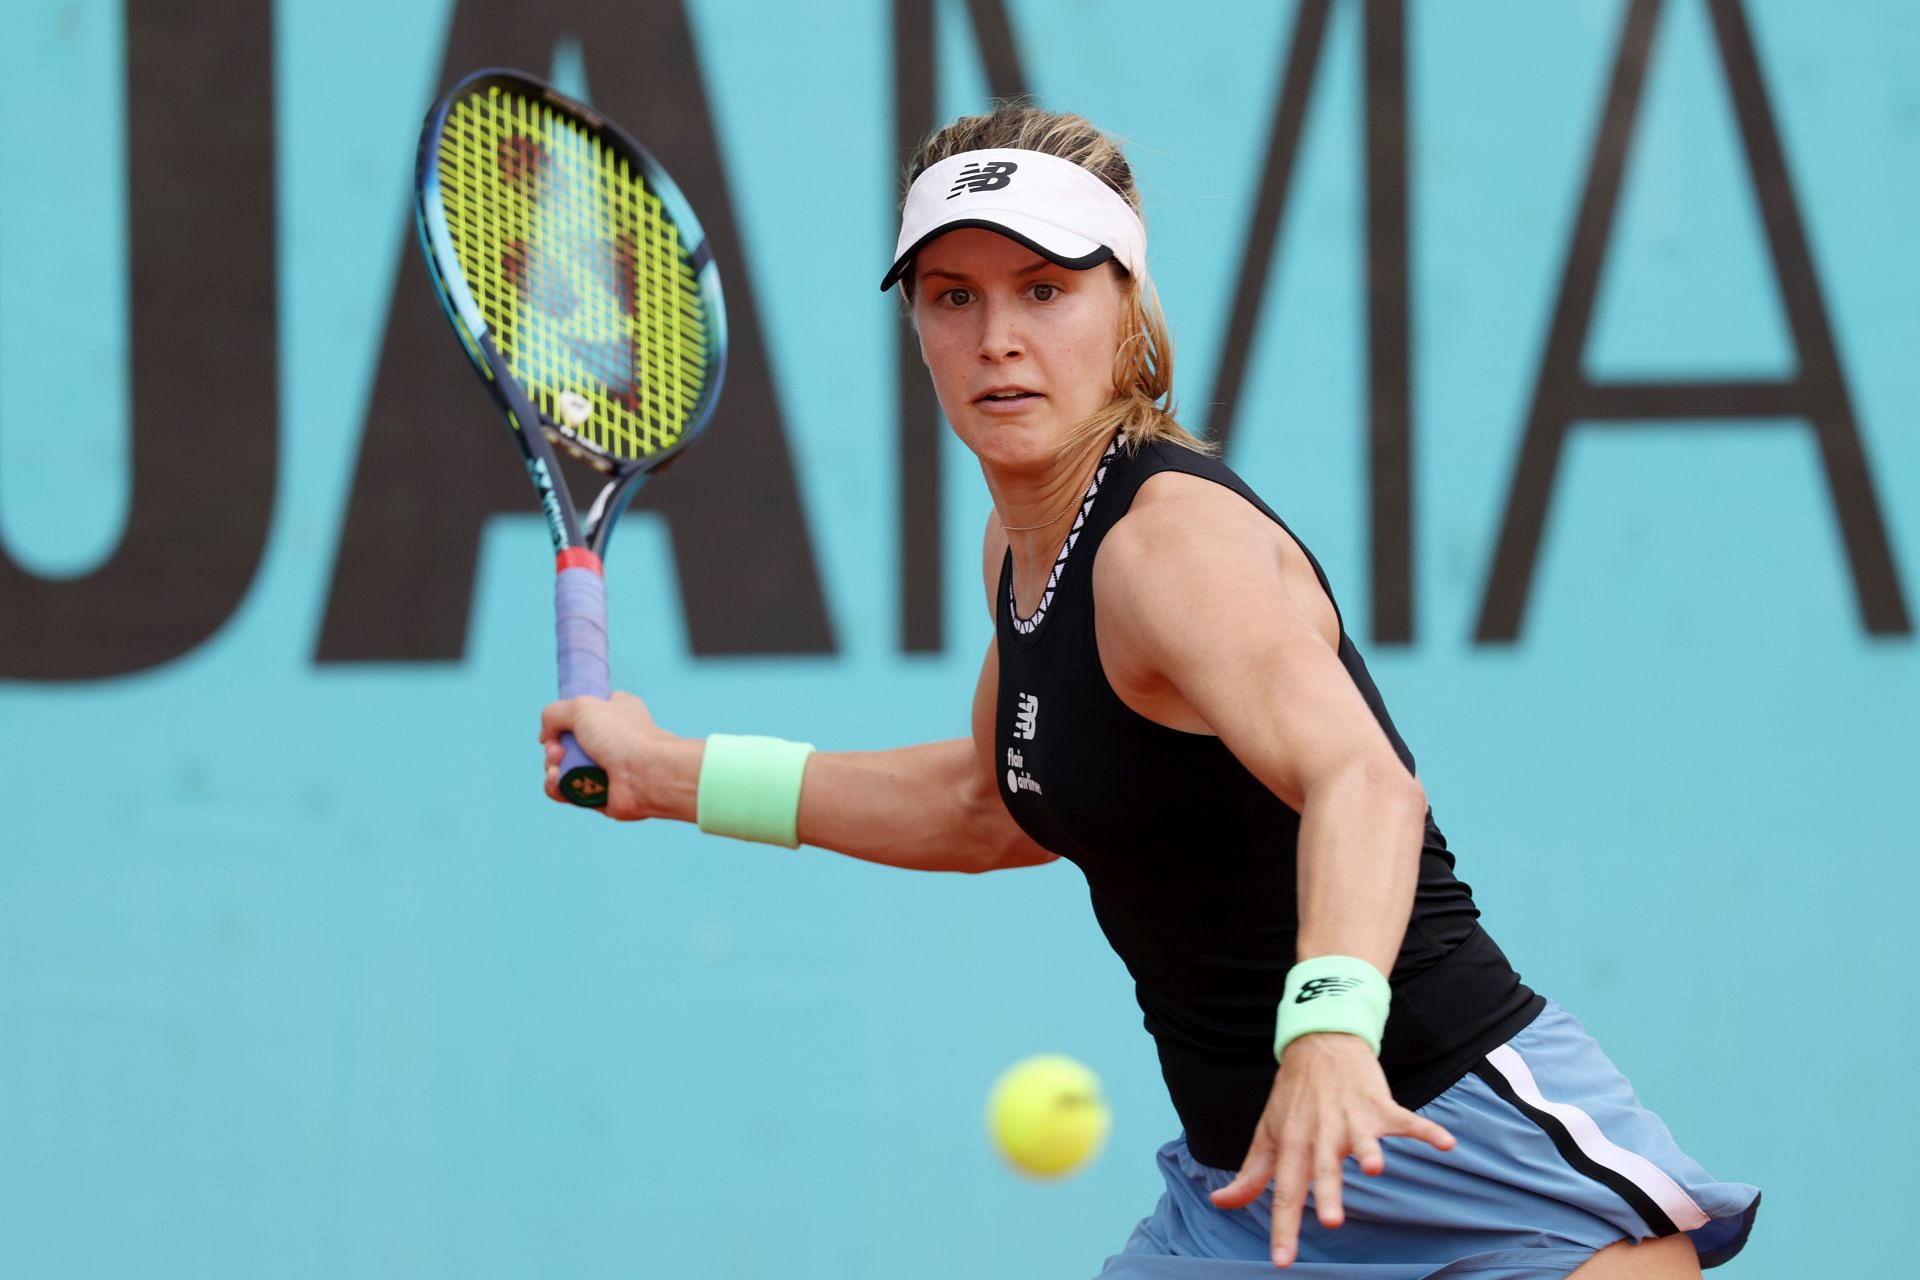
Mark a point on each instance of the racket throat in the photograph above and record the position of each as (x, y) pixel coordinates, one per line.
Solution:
(560, 524)
(578, 558)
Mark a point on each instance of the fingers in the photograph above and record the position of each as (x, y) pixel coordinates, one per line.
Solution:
(558, 717)
(1291, 1167)
(1366, 1150)
(1289, 1197)
(1408, 1124)
(1328, 1154)
(1255, 1172)
(1319, 1114)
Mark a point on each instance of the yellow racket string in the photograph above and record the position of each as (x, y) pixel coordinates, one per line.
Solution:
(578, 270)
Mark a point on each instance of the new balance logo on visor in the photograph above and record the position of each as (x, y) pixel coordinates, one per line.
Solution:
(991, 176)
(1318, 987)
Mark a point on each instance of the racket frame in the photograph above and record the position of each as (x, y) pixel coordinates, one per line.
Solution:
(579, 542)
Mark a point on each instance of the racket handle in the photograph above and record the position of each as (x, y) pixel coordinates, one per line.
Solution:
(580, 623)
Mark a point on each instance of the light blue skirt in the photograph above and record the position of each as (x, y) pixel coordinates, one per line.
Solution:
(1555, 1159)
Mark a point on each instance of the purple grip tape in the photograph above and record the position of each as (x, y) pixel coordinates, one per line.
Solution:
(580, 622)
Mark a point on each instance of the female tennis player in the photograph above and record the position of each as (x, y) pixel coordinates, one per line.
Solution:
(1172, 702)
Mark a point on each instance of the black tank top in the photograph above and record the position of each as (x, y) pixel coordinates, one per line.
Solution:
(1191, 860)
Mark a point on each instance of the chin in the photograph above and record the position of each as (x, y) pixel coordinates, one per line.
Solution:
(1014, 444)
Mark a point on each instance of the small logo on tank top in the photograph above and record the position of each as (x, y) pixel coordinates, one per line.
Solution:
(1025, 718)
(1018, 779)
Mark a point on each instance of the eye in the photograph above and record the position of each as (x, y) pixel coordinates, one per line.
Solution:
(1044, 292)
(957, 297)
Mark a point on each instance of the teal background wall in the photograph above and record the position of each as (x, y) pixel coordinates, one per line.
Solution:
(301, 975)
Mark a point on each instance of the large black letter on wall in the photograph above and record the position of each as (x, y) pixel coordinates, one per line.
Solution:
(205, 380)
(1389, 341)
(426, 481)
(1816, 394)
(922, 581)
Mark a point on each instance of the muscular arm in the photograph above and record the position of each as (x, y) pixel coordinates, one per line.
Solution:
(1205, 602)
(932, 807)
(1209, 608)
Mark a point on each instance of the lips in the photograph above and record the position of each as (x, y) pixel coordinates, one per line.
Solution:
(1005, 395)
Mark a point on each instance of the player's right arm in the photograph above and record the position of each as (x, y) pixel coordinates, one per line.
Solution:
(932, 807)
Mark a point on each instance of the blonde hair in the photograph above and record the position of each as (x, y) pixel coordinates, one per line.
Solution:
(1142, 408)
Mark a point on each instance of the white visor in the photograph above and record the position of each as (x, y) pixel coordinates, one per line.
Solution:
(1050, 205)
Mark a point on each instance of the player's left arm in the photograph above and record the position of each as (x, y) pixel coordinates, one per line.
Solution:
(1193, 590)
(1198, 592)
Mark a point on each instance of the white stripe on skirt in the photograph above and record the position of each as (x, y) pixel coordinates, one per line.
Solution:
(1643, 1173)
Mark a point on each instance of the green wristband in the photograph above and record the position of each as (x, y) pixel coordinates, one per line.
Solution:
(750, 788)
(1332, 993)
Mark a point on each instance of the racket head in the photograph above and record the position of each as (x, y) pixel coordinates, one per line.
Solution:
(573, 270)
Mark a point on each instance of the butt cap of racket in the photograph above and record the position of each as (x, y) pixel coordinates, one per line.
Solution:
(585, 785)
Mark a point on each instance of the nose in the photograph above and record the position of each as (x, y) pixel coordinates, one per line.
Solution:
(1000, 337)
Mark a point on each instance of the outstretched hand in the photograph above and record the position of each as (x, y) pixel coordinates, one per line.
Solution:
(1330, 1100)
(644, 762)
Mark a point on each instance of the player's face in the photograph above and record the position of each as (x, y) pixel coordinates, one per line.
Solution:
(1020, 349)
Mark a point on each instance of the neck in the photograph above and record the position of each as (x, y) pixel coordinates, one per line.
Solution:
(1036, 508)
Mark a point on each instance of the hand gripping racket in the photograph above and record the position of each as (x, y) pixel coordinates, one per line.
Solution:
(584, 291)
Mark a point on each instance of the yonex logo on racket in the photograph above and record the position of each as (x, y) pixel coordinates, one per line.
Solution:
(1317, 987)
(991, 176)
(549, 500)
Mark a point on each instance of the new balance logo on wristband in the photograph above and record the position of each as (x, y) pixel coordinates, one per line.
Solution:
(984, 177)
(1317, 987)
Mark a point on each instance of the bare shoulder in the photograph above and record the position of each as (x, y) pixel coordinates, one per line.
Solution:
(1189, 543)
(1193, 511)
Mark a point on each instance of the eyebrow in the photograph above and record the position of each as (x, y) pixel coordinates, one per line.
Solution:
(1039, 264)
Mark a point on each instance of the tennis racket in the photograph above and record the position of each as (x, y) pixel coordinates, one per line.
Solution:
(584, 291)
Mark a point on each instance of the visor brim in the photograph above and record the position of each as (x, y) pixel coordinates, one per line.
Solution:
(1061, 247)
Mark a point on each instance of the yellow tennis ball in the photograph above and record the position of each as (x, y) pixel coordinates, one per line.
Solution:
(1047, 1115)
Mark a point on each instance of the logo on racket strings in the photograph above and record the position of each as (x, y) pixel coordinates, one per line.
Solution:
(574, 409)
(1318, 987)
(991, 176)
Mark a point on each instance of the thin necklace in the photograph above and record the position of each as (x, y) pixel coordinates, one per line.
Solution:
(1029, 528)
